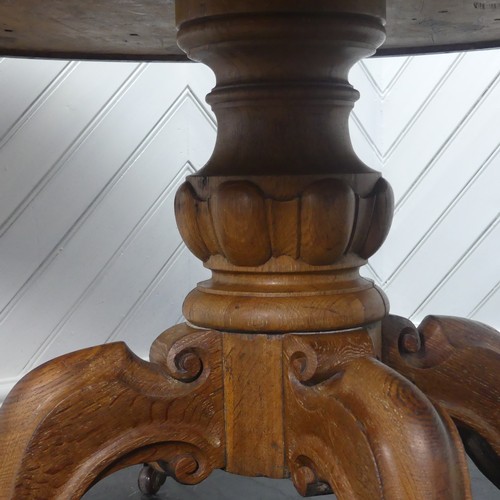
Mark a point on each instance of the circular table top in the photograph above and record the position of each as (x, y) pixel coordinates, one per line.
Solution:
(145, 29)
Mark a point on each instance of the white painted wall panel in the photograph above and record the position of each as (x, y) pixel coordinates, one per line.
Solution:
(91, 155)
(487, 311)
(436, 171)
(24, 87)
(160, 304)
(90, 235)
(451, 239)
(366, 118)
(404, 102)
(444, 207)
(436, 124)
(473, 149)
(473, 280)
(53, 128)
(103, 234)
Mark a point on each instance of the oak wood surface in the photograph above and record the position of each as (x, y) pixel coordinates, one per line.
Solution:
(277, 374)
(253, 395)
(284, 251)
(358, 426)
(456, 362)
(80, 417)
(145, 29)
(283, 261)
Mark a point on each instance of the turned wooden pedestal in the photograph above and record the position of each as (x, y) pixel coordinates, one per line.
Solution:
(288, 363)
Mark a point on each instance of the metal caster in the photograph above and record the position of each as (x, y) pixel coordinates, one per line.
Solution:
(150, 480)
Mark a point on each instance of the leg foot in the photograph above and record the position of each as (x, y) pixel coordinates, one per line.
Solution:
(85, 415)
(363, 429)
(150, 480)
(456, 362)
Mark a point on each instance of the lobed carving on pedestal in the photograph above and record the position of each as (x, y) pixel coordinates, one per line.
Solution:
(284, 253)
(284, 213)
(248, 222)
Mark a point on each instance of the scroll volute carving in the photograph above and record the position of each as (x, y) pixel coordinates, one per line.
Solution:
(455, 362)
(249, 224)
(80, 417)
(351, 421)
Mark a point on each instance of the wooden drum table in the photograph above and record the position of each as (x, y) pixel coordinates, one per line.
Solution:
(289, 364)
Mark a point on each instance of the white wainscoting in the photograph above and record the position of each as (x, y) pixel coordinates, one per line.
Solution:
(91, 155)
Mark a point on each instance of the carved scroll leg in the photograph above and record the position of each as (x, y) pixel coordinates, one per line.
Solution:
(80, 417)
(456, 362)
(370, 434)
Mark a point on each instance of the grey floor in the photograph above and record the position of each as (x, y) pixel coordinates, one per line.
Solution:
(223, 486)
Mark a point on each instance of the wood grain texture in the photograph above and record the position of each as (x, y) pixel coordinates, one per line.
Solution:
(317, 406)
(284, 251)
(314, 220)
(299, 276)
(360, 428)
(456, 362)
(78, 418)
(253, 396)
(146, 29)
(100, 29)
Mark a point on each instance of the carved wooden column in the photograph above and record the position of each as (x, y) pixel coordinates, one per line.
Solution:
(284, 214)
(278, 373)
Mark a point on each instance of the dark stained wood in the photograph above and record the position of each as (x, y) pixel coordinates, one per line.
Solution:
(426, 26)
(89, 29)
(482, 453)
(80, 417)
(361, 428)
(456, 362)
(145, 29)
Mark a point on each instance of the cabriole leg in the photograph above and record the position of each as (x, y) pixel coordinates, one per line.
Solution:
(80, 417)
(359, 427)
(456, 363)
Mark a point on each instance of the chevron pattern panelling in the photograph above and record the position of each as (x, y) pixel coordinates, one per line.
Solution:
(439, 144)
(91, 155)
